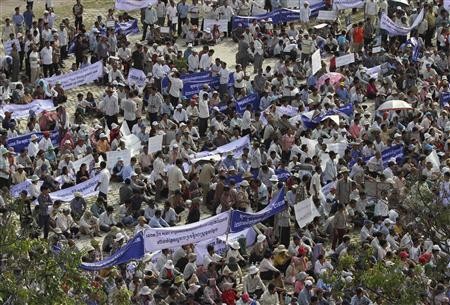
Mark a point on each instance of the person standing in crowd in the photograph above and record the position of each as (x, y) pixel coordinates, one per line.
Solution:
(77, 11)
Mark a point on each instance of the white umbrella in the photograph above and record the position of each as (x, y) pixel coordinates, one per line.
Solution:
(394, 105)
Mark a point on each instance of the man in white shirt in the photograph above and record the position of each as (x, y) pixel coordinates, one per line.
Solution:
(239, 82)
(110, 107)
(205, 61)
(47, 59)
(180, 114)
(45, 142)
(203, 114)
(103, 181)
(224, 76)
(175, 177)
(33, 147)
(193, 62)
(129, 111)
(175, 88)
(330, 172)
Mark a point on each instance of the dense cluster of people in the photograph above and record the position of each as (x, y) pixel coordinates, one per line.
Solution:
(302, 142)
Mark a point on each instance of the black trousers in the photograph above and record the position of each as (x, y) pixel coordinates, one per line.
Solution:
(144, 30)
(181, 21)
(111, 119)
(78, 22)
(44, 223)
(202, 126)
(131, 123)
(48, 70)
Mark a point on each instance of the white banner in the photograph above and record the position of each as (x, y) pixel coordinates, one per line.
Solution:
(235, 146)
(209, 23)
(394, 29)
(87, 188)
(124, 129)
(166, 238)
(311, 144)
(136, 77)
(345, 60)
(79, 77)
(155, 144)
(132, 5)
(434, 159)
(305, 211)
(346, 4)
(316, 61)
(23, 110)
(133, 144)
(327, 15)
(374, 71)
(338, 148)
(113, 157)
(88, 160)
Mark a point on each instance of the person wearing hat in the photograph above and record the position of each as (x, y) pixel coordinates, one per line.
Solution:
(233, 251)
(330, 172)
(141, 226)
(252, 283)
(343, 186)
(168, 272)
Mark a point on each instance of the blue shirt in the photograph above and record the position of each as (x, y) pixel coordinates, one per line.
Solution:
(17, 19)
(126, 171)
(28, 16)
(157, 222)
(183, 10)
(343, 94)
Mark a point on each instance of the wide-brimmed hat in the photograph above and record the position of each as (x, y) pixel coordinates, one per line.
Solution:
(145, 291)
(169, 265)
(119, 237)
(280, 249)
(261, 238)
(253, 269)
(235, 245)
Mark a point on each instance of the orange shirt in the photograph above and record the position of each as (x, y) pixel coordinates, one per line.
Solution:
(358, 35)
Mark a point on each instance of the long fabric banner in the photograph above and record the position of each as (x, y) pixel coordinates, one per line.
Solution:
(235, 146)
(133, 5)
(164, 238)
(193, 83)
(87, 188)
(346, 110)
(278, 16)
(21, 142)
(391, 153)
(241, 220)
(80, 77)
(444, 99)
(127, 28)
(252, 99)
(20, 111)
(346, 4)
(394, 29)
(134, 249)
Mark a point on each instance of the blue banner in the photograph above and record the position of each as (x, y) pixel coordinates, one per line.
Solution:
(21, 142)
(282, 174)
(241, 220)
(133, 250)
(391, 153)
(444, 99)
(278, 16)
(193, 82)
(346, 110)
(252, 99)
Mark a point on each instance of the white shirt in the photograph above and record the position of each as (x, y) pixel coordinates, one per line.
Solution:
(203, 109)
(46, 56)
(33, 149)
(224, 75)
(238, 79)
(193, 63)
(109, 105)
(205, 62)
(44, 144)
(175, 87)
(129, 109)
(104, 177)
(34, 60)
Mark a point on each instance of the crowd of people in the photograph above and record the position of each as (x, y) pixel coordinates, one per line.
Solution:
(363, 199)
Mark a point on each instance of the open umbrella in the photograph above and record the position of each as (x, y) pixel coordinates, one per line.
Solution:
(394, 105)
(333, 76)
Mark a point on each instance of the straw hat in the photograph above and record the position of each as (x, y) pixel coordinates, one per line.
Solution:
(235, 245)
(253, 269)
